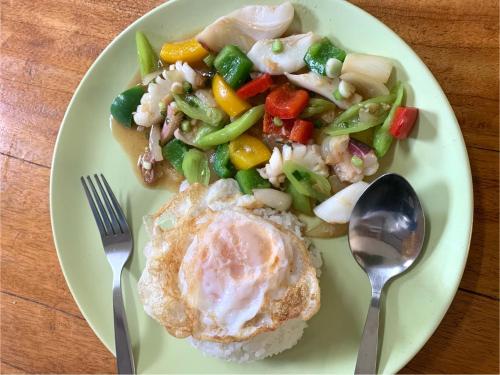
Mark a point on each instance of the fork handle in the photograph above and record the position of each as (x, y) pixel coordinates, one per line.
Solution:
(124, 355)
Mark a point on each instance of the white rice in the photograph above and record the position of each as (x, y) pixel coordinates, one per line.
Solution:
(287, 335)
(261, 346)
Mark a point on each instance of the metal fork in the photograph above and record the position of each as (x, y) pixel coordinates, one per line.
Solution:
(118, 244)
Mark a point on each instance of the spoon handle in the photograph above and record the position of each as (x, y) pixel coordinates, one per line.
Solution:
(367, 354)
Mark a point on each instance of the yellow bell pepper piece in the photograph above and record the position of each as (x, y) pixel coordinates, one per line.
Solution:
(246, 152)
(189, 51)
(226, 98)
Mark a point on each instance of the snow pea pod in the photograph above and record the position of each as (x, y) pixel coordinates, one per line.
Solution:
(382, 139)
(234, 129)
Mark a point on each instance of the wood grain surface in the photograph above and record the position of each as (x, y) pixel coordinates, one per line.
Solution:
(47, 46)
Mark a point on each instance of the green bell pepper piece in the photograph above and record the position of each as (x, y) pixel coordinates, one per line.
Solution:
(307, 182)
(316, 106)
(125, 104)
(318, 54)
(233, 65)
(174, 152)
(221, 163)
(300, 202)
(148, 59)
(234, 129)
(382, 139)
(249, 179)
(195, 167)
(193, 107)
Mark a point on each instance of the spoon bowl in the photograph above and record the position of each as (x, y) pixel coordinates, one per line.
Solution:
(386, 235)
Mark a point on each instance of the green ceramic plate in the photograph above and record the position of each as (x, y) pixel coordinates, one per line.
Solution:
(434, 160)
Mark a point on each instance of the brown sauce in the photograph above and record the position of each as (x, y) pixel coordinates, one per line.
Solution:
(134, 142)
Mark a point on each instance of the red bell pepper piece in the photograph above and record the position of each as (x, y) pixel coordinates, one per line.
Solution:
(269, 127)
(286, 102)
(402, 124)
(302, 131)
(255, 87)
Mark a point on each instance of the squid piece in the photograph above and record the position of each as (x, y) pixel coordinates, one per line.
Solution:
(245, 26)
(289, 60)
(323, 86)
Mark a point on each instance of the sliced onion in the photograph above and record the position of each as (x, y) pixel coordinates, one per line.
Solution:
(338, 208)
(358, 148)
(154, 143)
(376, 67)
(273, 198)
(365, 85)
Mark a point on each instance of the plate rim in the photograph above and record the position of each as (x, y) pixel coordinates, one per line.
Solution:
(468, 174)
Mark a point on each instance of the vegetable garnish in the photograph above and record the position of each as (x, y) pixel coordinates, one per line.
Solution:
(382, 139)
(234, 129)
(349, 121)
(300, 202)
(247, 152)
(195, 167)
(226, 98)
(307, 182)
(174, 152)
(249, 179)
(125, 104)
(316, 106)
(319, 53)
(221, 163)
(193, 107)
(255, 87)
(189, 51)
(302, 131)
(148, 60)
(404, 120)
(233, 65)
(286, 102)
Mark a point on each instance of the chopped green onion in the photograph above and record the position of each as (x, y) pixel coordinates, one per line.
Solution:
(186, 126)
(337, 95)
(187, 87)
(163, 107)
(209, 60)
(357, 161)
(277, 121)
(277, 46)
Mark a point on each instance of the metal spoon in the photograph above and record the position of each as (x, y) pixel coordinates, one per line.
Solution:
(386, 233)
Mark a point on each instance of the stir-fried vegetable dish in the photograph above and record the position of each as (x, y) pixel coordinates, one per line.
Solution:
(296, 119)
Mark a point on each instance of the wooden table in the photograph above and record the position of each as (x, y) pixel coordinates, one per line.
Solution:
(47, 46)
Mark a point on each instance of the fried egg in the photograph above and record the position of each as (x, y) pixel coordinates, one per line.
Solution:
(220, 270)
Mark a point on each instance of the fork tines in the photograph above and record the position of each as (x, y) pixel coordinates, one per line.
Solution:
(110, 219)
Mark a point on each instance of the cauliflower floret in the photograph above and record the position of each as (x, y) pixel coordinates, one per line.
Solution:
(308, 156)
(148, 112)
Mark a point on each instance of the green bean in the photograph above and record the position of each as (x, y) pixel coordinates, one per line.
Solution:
(316, 106)
(353, 110)
(382, 139)
(234, 129)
